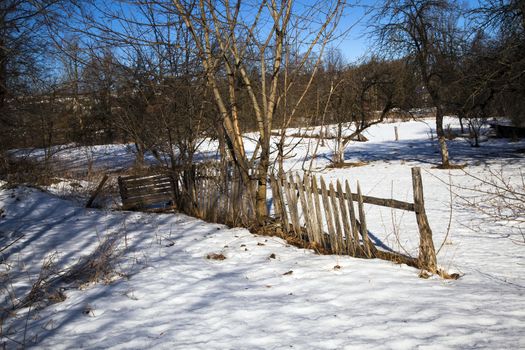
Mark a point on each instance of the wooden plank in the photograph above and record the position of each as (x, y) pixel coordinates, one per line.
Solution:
(285, 188)
(245, 207)
(202, 197)
(150, 196)
(304, 207)
(275, 199)
(427, 253)
(353, 221)
(292, 206)
(337, 220)
(143, 201)
(214, 200)
(312, 215)
(138, 183)
(318, 212)
(389, 203)
(235, 198)
(146, 181)
(131, 178)
(284, 211)
(231, 199)
(369, 247)
(251, 197)
(145, 191)
(350, 249)
(328, 214)
(214, 203)
(209, 195)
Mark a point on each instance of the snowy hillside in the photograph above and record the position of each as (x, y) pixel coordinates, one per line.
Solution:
(178, 282)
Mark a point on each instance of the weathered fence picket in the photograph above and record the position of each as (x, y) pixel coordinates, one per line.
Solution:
(353, 221)
(318, 214)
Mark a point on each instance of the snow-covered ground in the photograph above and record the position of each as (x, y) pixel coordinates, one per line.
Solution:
(266, 294)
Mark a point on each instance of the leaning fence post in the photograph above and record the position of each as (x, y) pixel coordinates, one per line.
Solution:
(97, 191)
(427, 253)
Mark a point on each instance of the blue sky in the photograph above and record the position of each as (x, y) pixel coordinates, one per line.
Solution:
(356, 44)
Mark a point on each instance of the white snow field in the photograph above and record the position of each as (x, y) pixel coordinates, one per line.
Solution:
(166, 294)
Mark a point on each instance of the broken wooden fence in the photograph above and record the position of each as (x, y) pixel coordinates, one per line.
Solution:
(147, 192)
(215, 192)
(331, 221)
(330, 217)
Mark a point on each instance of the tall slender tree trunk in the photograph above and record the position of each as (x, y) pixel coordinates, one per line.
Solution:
(445, 161)
(460, 117)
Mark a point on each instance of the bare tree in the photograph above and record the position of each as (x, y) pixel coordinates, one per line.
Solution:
(365, 95)
(499, 52)
(424, 30)
(246, 45)
(499, 197)
(23, 49)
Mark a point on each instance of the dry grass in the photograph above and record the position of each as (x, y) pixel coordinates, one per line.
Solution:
(450, 166)
(51, 282)
(346, 165)
(216, 256)
(26, 171)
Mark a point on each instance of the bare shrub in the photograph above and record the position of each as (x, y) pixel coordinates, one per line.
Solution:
(24, 170)
(99, 266)
(500, 198)
(52, 281)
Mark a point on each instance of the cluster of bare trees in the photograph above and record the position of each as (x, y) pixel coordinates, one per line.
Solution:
(472, 71)
(164, 74)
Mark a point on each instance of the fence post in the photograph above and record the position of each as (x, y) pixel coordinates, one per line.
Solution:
(396, 133)
(427, 253)
(123, 191)
(97, 191)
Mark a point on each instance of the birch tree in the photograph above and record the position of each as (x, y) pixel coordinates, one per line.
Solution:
(246, 44)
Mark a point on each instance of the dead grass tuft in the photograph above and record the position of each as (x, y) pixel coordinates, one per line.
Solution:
(215, 256)
(450, 166)
(346, 165)
(18, 171)
(48, 288)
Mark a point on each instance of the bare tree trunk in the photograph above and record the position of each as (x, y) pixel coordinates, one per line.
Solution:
(215, 29)
(338, 156)
(460, 117)
(262, 179)
(445, 161)
(139, 158)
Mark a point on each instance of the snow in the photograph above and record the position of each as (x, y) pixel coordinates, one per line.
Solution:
(167, 294)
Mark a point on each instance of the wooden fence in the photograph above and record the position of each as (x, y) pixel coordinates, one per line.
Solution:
(333, 217)
(330, 217)
(215, 192)
(139, 192)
